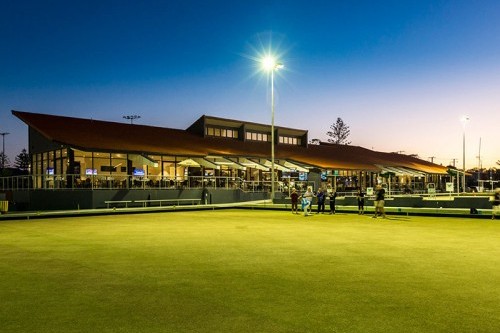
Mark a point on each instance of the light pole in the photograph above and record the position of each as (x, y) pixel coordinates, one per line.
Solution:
(270, 64)
(3, 148)
(464, 121)
(131, 118)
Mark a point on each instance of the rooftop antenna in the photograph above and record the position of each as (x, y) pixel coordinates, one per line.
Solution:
(131, 117)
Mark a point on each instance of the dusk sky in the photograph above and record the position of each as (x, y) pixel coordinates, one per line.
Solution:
(400, 74)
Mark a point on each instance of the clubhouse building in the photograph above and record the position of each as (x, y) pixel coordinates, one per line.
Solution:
(74, 155)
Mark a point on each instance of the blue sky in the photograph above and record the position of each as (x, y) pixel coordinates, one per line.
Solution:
(399, 73)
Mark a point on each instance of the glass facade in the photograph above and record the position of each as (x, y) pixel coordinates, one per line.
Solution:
(79, 169)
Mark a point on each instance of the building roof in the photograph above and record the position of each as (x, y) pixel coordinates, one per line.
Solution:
(96, 135)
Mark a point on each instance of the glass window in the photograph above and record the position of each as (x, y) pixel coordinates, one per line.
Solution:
(289, 140)
(255, 136)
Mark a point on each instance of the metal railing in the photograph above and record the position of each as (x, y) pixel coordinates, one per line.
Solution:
(98, 182)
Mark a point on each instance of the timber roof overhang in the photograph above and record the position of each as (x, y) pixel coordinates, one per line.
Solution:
(97, 135)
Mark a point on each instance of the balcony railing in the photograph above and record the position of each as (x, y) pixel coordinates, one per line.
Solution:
(78, 182)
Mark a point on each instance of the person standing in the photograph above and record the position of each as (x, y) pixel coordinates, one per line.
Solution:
(295, 200)
(380, 202)
(361, 201)
(333, 196)
(307, 200)
(496, 203)
(321, 201)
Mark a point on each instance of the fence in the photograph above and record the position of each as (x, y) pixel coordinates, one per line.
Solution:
(78, 182)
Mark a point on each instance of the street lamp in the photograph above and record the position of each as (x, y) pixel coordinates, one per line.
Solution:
(3, 148)
(271, 65)
(464, 121)
(131, 118)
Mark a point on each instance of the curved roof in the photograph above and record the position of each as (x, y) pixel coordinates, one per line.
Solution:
(96, 135)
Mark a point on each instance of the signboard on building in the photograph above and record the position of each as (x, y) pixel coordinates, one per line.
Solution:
(431, 188)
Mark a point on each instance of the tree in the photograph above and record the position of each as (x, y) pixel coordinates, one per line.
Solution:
(4, 160)
(23, 161)
(339, 133)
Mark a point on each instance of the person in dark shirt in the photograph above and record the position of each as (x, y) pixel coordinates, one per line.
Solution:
(361, 201)
(320, 197)
(379, 203)
(295, 200)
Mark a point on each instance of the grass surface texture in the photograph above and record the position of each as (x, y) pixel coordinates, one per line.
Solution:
(249, 271)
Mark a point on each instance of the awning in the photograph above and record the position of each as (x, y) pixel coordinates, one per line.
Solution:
(277, 166)
(219, 160)
(293, 166)
(188, 162)
(252, 164)
(401, 171)
(197, 162)
(206, 163)
(409, 172)
(142, 159)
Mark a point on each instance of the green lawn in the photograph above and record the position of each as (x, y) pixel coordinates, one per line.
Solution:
(249, 271)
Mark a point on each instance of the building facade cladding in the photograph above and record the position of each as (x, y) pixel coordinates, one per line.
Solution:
(212, 152)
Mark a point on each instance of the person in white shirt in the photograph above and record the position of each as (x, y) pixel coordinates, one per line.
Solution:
(307, 198)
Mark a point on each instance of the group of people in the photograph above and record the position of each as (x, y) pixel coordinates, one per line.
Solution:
(322, 197)
(330, 195)
(306, 200)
